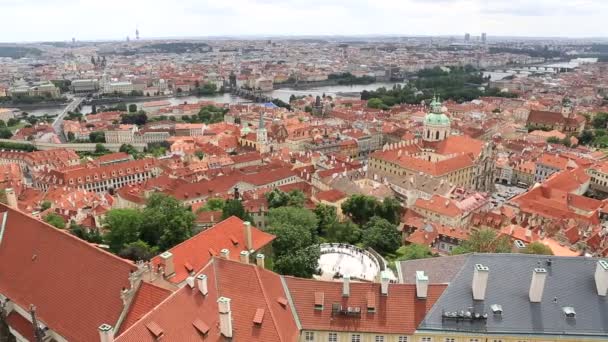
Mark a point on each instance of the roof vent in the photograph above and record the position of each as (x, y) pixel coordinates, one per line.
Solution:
(201, 326)
(155, 329)
(190, 282)
(569, 312)
(259, 316)
(496, 309)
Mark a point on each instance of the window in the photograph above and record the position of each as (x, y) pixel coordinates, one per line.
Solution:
(379, 339)
(355, 338)
(449, 339)
(332, 337)
(474, 340)
(426, 339)
(497, 340)
(402, 339)
(309, 336)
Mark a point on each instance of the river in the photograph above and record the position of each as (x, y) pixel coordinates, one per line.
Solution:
(283, 94)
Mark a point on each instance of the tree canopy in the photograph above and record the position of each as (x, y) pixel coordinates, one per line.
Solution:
(484, 241)
(277, 198)
(234, 207)
(381, 235)
(538, 248)
(55, 220)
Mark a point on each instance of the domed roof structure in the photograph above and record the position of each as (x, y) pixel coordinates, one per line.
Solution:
(436, 116)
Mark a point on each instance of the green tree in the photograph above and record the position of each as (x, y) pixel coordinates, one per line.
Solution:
(390, 209)
(554, 140)
(344, 232)
(199, 154)
(12, 122)
(89, 235)
(277, 198)
(71, 136)
(2, 124)
(376, 103)
(538, 248)
(301, 263)
(360, 208)
(55, 220)
(132, 108)
(100, 149)
(5, 133)
(484, 241)
(585, 137)
(123, 226)
(137, 251)
(326, 216)
(213, 204)
(413, 252)
(381, 235)
(167, 222)
(234, 207)
(45, 205)
(97, 137)
(129, 149)
(600, 120)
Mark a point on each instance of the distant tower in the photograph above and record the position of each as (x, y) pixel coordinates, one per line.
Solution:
(73, 40)
(262, 135)
(137, 33)
(484, 38)
(128, 39)
(467, 37)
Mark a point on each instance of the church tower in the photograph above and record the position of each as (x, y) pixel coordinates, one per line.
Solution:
(262, 135)
(437, 125)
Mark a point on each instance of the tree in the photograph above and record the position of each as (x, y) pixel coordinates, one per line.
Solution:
(277, 198)
(84, 233)
(132, 108)
(344, 232)
(167, 222)
(5, 133)
(301, 263)
(213, 204)
(71, 136)
(137, 251)
(2, 124)
(390, 209)
(360, 208)
(129, 149)
(585, 137)
(295, 229)
(199, 154)
(124, 227)
(484, 241)
(538, 248)
(376, 103)
(234, 207)
(326, 216)
(55, 220)
(599, 121)
(381, 235)
(100, 149)
(12, 122)
(414, 251)
(554, 140)
(97, 137)
(45, 205)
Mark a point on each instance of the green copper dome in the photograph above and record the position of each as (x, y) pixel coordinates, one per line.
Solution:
(436, 116)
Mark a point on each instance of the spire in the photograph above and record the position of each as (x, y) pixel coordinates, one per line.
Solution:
(261, 123)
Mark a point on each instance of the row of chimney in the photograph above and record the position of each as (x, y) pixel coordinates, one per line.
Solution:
(537, 285)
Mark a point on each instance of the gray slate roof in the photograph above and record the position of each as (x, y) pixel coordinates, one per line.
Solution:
(570, 281)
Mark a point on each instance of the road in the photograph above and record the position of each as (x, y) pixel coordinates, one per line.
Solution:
(76, 101)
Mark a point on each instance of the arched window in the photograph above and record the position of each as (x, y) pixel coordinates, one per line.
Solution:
(437, 135)
(428, 133)
(445, 135)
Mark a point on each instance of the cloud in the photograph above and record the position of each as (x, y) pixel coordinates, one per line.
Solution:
(35, 20)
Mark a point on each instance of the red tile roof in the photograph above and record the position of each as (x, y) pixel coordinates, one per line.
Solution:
(250, 289)
(195, 251)
(74, 286)
(398, 313)
(148, 296)
(21, 325)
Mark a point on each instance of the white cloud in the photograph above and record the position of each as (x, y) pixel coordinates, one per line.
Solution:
(115, 19)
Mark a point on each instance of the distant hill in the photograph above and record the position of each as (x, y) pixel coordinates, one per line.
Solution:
(18, 51)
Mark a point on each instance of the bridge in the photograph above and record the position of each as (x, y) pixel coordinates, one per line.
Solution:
(253, 95)
(532, 68)
(58, 122)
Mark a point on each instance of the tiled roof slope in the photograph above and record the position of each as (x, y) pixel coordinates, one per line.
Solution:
(148, 296)
(74, 286)
(398, 313)
(198, 250)
(249, 287)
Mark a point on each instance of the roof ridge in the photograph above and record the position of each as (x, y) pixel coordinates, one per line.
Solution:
(266, 300)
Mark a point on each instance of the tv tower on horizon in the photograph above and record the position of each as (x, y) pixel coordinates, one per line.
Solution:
(136, 33)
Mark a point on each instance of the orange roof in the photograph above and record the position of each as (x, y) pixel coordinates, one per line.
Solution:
(147, 297)
(48, 267)
(398, 313)
(443, 206)
(197, 251)
(250, 289)
(331, 196)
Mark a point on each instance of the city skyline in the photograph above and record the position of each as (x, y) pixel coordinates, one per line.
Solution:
(244, 18)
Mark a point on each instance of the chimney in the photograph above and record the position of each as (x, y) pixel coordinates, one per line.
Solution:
(422, 284)
(480, 281)
(384, 280)
(346, 286)
(244, 257)
(223, 304)
(190, 282)
(537, 285)
(201, 280)
(225, 254)
(601, 277)
(106, 333)
(11, 197)
(248, 237)
(167, 262)
(259, 260)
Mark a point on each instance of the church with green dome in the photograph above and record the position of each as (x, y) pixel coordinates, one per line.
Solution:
(437, 125)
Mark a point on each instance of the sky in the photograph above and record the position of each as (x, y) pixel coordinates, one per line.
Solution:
(60, 20)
